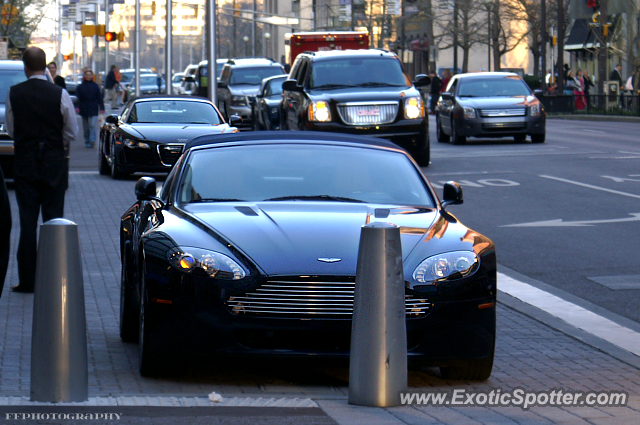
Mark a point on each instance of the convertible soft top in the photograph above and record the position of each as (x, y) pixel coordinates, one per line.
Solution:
(289, 136)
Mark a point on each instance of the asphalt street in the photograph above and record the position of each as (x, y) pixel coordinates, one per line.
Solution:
(505, 183)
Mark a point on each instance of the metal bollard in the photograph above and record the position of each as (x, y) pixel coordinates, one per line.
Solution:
(378, 360)
(59, 340)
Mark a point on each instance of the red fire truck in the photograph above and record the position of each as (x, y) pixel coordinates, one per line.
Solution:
(299, 42)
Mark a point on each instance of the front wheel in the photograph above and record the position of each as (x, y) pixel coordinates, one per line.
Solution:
(538, 138)
(129, 319)
(150, 363)
(456, 138)
(469, 370)
(103, 164)
(440, 134)
(423, 156)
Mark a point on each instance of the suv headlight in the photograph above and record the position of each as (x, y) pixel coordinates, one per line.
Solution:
(238, 100)
(534, 110)
(446, 266)
(413, 108)
(319, 111)
(469, 112)
(204, 262)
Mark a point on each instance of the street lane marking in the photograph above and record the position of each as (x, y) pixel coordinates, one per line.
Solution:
(617, 192)
(573, 314)
(559, 223)
(594, 131)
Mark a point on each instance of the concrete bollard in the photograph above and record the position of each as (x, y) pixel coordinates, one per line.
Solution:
(378, 360)
(59, 340)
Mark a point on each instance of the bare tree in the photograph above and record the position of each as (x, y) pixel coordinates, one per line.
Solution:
(29, 15)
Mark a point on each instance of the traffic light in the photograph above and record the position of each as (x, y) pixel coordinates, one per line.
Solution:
(120, 36)
(554, 40)
(110, 36)
(100, 30)
(67, 57)
(153, 7)
(88, 30)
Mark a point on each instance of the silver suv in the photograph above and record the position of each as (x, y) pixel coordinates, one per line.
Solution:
(240, 79)
(11, 73)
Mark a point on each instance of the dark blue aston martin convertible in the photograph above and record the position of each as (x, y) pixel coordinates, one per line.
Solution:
(229, 256)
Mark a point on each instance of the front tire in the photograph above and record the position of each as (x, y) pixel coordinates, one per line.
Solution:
(538, 138)
(440, 134)
(150, 363)
(520, 138)
(423, 157)
(455, 137)
(129, 315)
(469, 370)
(103, 164)
(114, 170)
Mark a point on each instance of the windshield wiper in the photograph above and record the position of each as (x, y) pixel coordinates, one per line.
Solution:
(330, 87)
(315, 198)
(216, 200)
(377, 84)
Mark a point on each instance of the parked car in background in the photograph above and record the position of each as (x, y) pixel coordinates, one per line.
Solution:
(240, 79)
(360, 92)
(127, 75)
(11, 73)
(151, 133)
(265, 106)
(176, 82)
(149, 84)
(489, 104)
(230, 257)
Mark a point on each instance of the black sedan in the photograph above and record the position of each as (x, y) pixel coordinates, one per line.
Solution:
(152, 131)
(265, 106)
(231, 256)
(489, 104)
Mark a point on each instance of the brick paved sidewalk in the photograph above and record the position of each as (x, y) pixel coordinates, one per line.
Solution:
(529, 354)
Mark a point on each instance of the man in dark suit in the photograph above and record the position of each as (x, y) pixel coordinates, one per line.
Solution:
(40, 118)
(5, 230)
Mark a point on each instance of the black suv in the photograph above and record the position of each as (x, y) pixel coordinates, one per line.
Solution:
(360, 92)
(240, 79)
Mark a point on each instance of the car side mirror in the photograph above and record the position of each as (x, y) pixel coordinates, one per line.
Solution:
(447, 96)
(146, 188)
(422, 80)
(235, 120)
(451, 194)
(291, 85)
(112, 119)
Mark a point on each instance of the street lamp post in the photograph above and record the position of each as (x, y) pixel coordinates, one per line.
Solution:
(267, 37)
(246, 45)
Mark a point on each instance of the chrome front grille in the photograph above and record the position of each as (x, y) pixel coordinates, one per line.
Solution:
(169, 153)
(365, 113)
(310, 299)
(507, 112)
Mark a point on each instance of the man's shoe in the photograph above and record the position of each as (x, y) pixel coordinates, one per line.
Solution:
(21, 288)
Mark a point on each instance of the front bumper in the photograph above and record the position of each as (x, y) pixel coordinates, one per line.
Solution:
(500, 127)
(159, 157)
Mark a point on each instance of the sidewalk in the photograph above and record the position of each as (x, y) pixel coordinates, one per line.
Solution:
(529, 354)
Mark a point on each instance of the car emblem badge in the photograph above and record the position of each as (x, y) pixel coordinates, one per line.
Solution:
(368, 112)
(329, 260)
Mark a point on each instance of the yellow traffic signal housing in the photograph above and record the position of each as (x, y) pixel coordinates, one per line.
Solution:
(554, 40)
(237, 13)
(100, 30)
(88, 30)
(120, 36)
(605, 29)
(110, 36)
(153, 7)
(68, 57)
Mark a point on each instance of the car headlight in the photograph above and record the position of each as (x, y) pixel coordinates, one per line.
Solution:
(205, 262)
(319, 111)
(238, 100)
(469, 112)
(413, 108)
(447, 266)
(534, 110)
(133, 143)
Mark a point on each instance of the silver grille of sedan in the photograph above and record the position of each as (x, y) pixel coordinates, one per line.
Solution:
(507, 112)
(311, 299)
(365, 113)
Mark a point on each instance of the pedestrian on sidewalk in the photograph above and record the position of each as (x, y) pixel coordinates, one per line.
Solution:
(91, 104)
(434, 91)
(110, 86)
(5, 230)
(42, 123)
(57, 79)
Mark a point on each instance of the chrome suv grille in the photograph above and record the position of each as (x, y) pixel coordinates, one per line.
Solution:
(364, 113)
(510, 112)
(311, 299)
(169, 154)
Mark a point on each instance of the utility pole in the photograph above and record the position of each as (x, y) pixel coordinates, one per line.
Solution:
(106, 45)
(168, 47)
(560, 69)
(602, 52)
(543, 42)
(137, 51)
(455, 37)
(212, 88)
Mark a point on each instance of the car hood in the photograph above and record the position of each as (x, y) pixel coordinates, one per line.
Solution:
(375, 94)
(497, 102)
(244, 89)
(288, 238)
(165, 133)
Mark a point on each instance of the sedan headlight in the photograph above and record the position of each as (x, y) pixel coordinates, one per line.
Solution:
(534, 110)
(413, 108)
(469, 112)
(319, 111)
(238, 100)
(450, 265)
(134, 143)
(205, 262)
